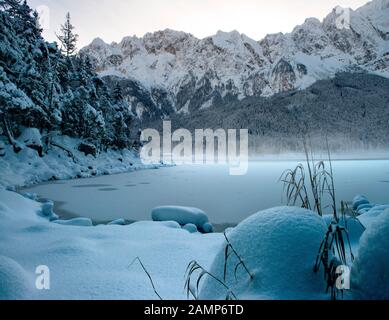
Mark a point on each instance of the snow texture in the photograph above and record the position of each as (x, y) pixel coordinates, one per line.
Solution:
(93, 262)
(15, 282)
(370, 271)
(27, 168)
(367, 212)
(232, 64)
(279, 247)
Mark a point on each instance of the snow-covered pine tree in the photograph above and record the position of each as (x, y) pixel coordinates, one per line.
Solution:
(67, 37)
(53, 91)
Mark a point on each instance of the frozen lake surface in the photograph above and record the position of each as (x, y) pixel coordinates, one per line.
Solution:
(226, 199)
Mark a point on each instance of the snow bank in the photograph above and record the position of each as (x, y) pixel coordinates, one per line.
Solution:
(15, 283)
(279, 247)
(184, 216)
(47, 210)
(359, 200)
(93, 262)
(367, 211)
(27, 167)
(370, 271)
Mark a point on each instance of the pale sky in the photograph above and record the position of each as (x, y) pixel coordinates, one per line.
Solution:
(112, 20)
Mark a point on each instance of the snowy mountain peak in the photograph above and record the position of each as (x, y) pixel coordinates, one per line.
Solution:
(198, 73)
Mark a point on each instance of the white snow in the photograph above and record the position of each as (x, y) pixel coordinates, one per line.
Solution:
(190, 227)
(80, 222)
(27, 168)
(370, 271)
(279, 247)
(169, 59)
(31, 137)
(368, 212)
(14, 280)
(183, 215)
(120, 222)
(94, 262)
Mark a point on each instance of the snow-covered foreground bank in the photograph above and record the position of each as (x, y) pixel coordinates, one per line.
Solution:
(27, 168)
(94, 262)
(279, 247)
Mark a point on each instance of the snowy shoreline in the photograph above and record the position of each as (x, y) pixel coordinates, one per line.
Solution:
(27, 169)
(94, 262)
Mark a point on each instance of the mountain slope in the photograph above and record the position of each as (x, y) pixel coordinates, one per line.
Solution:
(196, 73)
(350, 109)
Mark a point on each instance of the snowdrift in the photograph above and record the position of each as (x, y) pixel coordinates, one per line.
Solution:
(370, 271)
(279, 247)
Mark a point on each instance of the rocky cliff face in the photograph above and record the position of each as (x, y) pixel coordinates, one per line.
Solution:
(174, 72)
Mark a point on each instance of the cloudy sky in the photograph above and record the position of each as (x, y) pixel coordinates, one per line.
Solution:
(111, 20)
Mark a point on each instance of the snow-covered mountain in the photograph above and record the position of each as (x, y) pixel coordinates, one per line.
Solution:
(176, 72)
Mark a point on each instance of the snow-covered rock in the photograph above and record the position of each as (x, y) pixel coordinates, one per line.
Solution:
(47, 210)
(184, 216)
(279, 248)
(370, 271)
(32, 138)
(190, 227)
(118, 222)
(359, 200)
(371, 215)
(80, 222)
(367, 212)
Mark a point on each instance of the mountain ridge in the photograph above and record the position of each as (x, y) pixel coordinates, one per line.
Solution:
(194, 74)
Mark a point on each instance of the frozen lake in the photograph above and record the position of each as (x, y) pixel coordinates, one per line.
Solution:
(226, 199)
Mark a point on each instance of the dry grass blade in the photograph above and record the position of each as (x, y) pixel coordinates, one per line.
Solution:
(321, 190)
(148, 275)
(194, 292)
(240, 263)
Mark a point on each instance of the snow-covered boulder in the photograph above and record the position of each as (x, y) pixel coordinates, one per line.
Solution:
(279, 247)
(358, 200)
(47, 211)
(370, 271)
(183, 215)
(190, 227)
(80, 222)
(32, 138)
(118, 222)
(15, 283)
(371, 215)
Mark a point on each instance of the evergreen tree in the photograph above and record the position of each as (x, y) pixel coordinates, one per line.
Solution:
(67, 37)
(55, 91)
